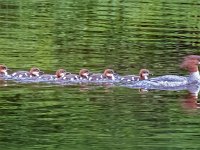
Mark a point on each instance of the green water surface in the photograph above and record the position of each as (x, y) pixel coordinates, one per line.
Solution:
(125, 35)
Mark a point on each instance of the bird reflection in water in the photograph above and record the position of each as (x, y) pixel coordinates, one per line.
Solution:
(191, 99)
(3, 82)
(88, 87)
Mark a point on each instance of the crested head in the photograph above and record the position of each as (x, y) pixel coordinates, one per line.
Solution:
(144, 73)
(60, 73)
(84, 73)
(35, 71)
(190, 64)
(109, 73)
(190, 57)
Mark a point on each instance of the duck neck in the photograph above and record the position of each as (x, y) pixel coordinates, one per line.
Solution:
(194, 76)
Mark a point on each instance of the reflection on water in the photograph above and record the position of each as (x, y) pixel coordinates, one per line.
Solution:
(191, 99)
(51, 116)
(123, 35)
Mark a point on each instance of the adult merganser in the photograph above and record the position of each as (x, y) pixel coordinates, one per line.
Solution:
(197, 57)
(34, 72)
(191, 65)
(108, 74)
(143, 75)
(3, 71)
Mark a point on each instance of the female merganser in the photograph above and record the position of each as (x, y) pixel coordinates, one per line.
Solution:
(108, 74)
(34, 72)
(3, 71)
(84, 74)
(192, 66)
(197, 57)
(143, 75)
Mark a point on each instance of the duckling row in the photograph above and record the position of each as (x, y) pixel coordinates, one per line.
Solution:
(190, 63)
(62, 75)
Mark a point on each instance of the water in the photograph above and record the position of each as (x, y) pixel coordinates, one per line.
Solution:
(123, 35)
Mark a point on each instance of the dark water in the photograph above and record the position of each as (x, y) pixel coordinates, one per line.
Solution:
(122, 35)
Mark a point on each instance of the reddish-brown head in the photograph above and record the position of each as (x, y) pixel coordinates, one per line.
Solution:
(3, 69)
(190, 57)
(35, 71)
(109, 73)
(190, 64)
(61, 73)
(84, 73)
(144, 73)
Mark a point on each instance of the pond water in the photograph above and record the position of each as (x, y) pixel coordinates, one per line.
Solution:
(123, 35)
